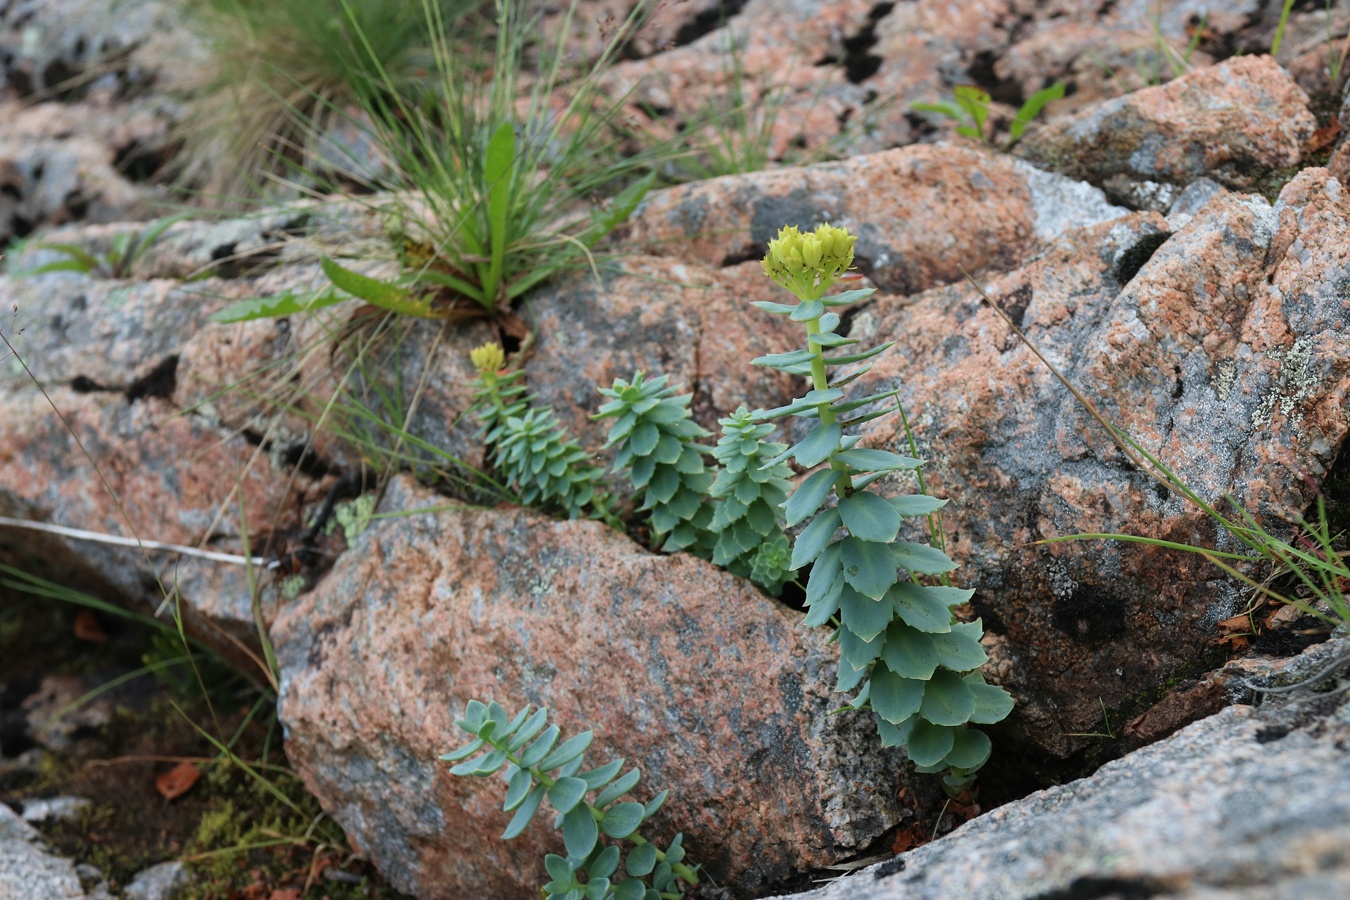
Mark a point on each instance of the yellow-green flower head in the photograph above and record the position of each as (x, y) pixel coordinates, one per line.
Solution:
(807, 264)
(488, 359)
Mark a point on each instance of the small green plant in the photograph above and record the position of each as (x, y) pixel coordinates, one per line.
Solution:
(397, 296)
(529, 449)
(117, 262)
(970, 105)
(656, 440)
(537, 766)
(898, 637)
(748, 520)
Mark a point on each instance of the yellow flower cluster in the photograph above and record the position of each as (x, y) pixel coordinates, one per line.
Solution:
(488, 359)
(807, 264)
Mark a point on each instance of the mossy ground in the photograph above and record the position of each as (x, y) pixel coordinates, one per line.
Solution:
(239, 836)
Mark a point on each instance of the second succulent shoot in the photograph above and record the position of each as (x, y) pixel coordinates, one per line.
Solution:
(913, 664)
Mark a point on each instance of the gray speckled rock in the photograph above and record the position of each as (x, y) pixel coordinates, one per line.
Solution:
(709, 687)
(1249, 803)
(27, 870)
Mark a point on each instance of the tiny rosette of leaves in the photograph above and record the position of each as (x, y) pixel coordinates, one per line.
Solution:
(747, 521)
(900, 646)
(656, 443)
(536, 767)
(532, 451)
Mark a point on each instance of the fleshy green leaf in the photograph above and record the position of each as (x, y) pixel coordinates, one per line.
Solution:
(598, 778)
(620, 787)
(517, 789)
(877, 460)
(970, 749)
(808, 497)
(463, 752)
(869, 517)
(622, 819)
(855, 651)
(921, 607)
(929, 744)
(848, 297)
(862, 615)
(606, 863)
(818, 444)
(909, 653)
(641, 860)
(630, 889)
(808, 310)
(992, 703)
(567, 751)
(540, 748)
(909, 505)
(814, 538)
(922, 558)
(525, 813)
(960, 650)
(894, 698)
(533, 725)
(566, 793)
(654, 805)
(579, 832)
(868, 567)
(946, 699)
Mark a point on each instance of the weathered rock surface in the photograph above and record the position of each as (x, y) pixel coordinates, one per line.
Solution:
(921, 213)
(682, 669)
(27, 870)
(1221, 349)
(1249, 803)
(1237, 122)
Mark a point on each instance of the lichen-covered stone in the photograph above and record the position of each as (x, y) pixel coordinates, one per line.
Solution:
(685, 671)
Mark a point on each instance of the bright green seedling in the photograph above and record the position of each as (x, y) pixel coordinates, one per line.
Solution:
(397, 297)
(898, 638)
(538, 767)
(126, 249)
(748, 520)
(971, 106)
(657, 445)
(529, 448)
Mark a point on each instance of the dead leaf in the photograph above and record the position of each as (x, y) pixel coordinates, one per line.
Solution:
(88, 629)
(1236, 625)
(1283, 617)
(285, 894)
(177, 781)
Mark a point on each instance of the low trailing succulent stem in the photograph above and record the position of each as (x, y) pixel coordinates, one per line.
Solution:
(538, 767)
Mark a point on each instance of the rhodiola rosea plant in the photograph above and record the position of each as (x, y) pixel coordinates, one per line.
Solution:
(888, 598)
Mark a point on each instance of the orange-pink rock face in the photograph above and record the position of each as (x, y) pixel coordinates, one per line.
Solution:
(685, 671)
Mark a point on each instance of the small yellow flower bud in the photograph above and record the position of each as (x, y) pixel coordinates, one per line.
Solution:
(808, 264)
(487, 359)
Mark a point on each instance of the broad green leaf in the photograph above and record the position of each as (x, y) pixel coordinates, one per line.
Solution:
(559, 869)
(525, 813)
(517, 788)
(814, 538)
(970, 749)
(287, 304)
(475, 713)
(540, 748)
(862, 615)
(975, 101)
(510, 728)
(630, 889)
(579, 832)
(868, 567)
(921, 558)
(818, 444)
(622, 819)
(960, 649)
(847, 678)
(909, 505)
(921, 607)
(566, 793)
(597, 888)
(877, 460)
(895, 735)
(1030, 109)
(598, 778)
(644, 437)
(929, 744)
(992, 703)
(498, 165)
(946, 699)
(825, 576)
(567, 751)
(909, 652)
(809, 495)
(470, 767)
(869, 517)
(829, 339)
(490, 763)
(820, 610)
(895, 699)
(620, 787)
(375, 292)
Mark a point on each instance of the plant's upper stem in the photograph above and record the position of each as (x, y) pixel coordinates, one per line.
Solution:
(843, 485)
